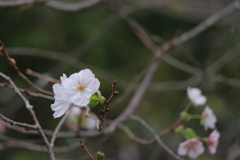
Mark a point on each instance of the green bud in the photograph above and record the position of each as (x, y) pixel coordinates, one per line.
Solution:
(179, 129)
(184, 115)
(100, 156)
(189, 133)
(94, 100)
(102, 100)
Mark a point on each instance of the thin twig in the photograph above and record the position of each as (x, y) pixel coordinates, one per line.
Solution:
(13, 63)
(106, 109)
(41, 76)
(27, 92)
(87, 114)
(26, 126)
(85, 149)
(160, 142)
(54, 136)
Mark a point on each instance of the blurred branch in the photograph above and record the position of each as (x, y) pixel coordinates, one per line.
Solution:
(134, 137)
(67, 7)
(65, 59)
(30, 109)
(224, 60)
(27, 127)
(41, 76)
(28, 93)
(180, 65)
(54, 135)
(227, 81)
(13, 63)
(173, 85)
(10, 142)
(157, 138)
(138, 96)
(71, 7)
(85, 149)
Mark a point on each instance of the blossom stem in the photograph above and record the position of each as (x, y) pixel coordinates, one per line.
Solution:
(195, 116)
(188, 106)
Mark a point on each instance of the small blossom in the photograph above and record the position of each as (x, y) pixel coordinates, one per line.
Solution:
(195, 96)
(213, 141)
(191, 147)
(80, 87)
(73, 118)
(2, 126)
(208, 118)
(76, 120)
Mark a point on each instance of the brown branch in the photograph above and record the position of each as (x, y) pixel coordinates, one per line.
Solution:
(54, 136)
(87, 114)
(157, 138)
(28, 93)
(134, 137)
(18, 143)
(41, 76)
(30, 109)
(106, 109)
(26, 126)
(13, 63)
(85, 149)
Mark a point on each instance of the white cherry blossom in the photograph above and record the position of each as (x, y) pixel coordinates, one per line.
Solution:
(209, 118)
(195, 96)
(192, 148)
(80, 87)
(213, 141)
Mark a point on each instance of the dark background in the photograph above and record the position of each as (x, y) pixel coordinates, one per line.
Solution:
(52, 42)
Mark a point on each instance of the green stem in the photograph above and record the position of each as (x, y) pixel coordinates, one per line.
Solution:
(196, 116)
(188, 106)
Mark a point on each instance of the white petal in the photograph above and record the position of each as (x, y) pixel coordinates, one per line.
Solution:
(63, 77)
(182, 151)
(70, 86)
(201, 100)
(86, 77)
(96, 85)
(193, 93)
(60, 112)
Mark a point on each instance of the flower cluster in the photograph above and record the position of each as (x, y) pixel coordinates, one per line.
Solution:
(193, 146)
(75, 90)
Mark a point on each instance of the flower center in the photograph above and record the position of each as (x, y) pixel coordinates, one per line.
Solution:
(81, 88)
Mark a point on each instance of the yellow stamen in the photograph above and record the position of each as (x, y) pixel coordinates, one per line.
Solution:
(81, 88)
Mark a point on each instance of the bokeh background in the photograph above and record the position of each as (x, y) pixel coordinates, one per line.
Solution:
(53, 41)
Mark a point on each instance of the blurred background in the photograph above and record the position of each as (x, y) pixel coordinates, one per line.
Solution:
(56, 37)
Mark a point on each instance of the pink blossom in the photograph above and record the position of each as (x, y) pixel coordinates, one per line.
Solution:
(208, 118)
(2, 126)
(191, 147)
(195, 96)
(213, 141)
(80, 87)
